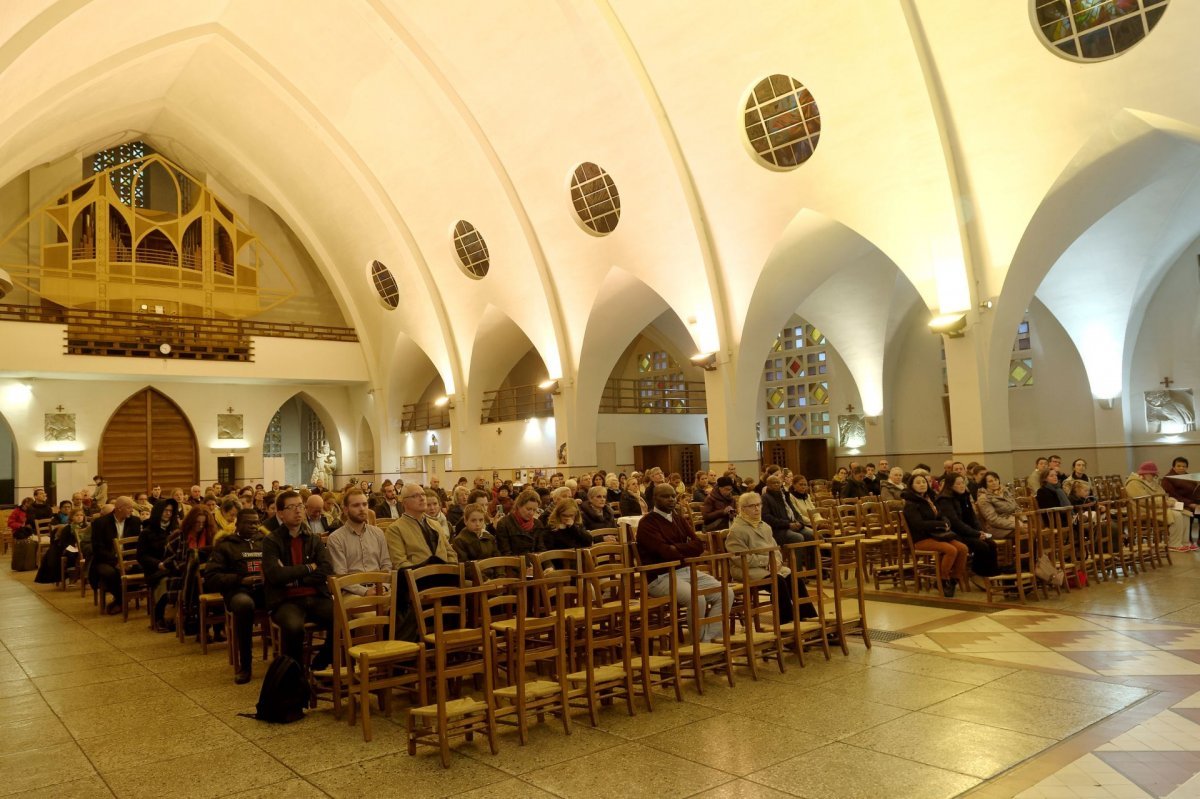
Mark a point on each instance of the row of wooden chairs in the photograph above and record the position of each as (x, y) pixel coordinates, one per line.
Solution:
(566, 629)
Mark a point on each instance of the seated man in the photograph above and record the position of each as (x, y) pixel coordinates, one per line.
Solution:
(413, 539)
(235, 570)
(296, 565)
(389, 505)
(664, 536)
(103, 572)
(779, 514)
(357, 546)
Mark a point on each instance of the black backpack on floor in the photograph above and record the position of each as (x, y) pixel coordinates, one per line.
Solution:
(285, 692)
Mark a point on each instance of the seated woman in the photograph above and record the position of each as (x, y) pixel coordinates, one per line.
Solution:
(998, 511)
(595, 512)
(931, 533)
(197, 532)
(835, 485)
(520, 532)
(502, 504)
(893, 486)
(474, 542)
(631, 500)
(1050, 494)
(749, 532)
(563, 530)
(612, 484)
(152, 549)
(226, 517)
(954, 503)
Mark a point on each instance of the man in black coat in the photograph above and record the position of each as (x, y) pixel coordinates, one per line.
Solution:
(780, 516)
(296, 565)
(103, 571)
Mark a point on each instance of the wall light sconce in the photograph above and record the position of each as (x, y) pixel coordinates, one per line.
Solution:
(443, 402)
(551, 386)
(950, 325)
(706, 361)
(987, 305)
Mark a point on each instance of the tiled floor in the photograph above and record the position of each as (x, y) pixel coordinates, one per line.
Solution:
(996, 703)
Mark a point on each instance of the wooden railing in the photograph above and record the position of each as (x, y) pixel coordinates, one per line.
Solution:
(516, 402)
(424, 416)
(653, 396)
(115, 333)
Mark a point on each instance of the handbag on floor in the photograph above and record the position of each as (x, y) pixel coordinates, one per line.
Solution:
(1045, 570)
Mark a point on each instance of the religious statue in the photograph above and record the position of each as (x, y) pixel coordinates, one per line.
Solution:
(323, 466)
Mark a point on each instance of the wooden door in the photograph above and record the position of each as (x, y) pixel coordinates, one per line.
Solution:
(806, 456)
(148, 441)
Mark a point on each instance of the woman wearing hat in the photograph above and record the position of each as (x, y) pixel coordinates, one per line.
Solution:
(1144, 483)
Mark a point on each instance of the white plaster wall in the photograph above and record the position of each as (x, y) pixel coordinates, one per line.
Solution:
(915, 422)
(1056, 411)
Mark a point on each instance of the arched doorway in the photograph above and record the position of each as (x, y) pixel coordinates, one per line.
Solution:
(148, 441)
(294, 437)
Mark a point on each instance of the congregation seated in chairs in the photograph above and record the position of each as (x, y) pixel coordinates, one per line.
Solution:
(555, 611)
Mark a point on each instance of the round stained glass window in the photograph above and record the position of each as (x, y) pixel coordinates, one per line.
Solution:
(1089, 30)
(472, 249)
(783, 123)
(385, 285)
(595, 197)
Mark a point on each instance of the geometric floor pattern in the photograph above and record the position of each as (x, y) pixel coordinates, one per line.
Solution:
(1093, 695)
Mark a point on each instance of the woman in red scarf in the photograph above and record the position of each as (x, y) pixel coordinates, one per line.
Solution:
(521, 531)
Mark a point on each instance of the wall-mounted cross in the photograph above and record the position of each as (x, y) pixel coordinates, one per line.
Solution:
(1166, 383)
(60, 409)
(849, 409)
(229, 409)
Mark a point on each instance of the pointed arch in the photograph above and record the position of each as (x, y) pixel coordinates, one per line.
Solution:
(291, 438)
(148, 440)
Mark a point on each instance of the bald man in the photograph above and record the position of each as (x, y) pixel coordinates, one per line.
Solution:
(103, 572)
(314, 512)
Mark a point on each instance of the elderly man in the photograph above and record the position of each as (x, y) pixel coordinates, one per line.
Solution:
(357, 546)
(296, 568)
(412, 540)
(314, 512)
(103, 572)
(666, 537)
(195, 496)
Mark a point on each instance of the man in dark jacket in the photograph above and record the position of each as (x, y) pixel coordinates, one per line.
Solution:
(235, 570)
(786, 526)
(296, 565)
(103, 571)
(855, 486)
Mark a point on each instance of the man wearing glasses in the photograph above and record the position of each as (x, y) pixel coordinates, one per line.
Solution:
(296, 564)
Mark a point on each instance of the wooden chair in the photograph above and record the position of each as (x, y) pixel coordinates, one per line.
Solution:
(506, 575)
(43, 531)
(849, 611)
(1022, 580)
(133, 582)
(364, 633)
(803, 559)
(926, 564)
(761, 637)
(535, 641)
(212, 614)
(456, 652)
(607, 672)
(600, 534)
(697, 657)
(655, 629)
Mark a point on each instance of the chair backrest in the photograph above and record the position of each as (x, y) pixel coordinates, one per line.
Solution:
(605, 556)
(503, 568)
(127, 563)
(361, 619)
(871, 518)
(423, 583)
(600, 533)
(847, 517)
(803, 559)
